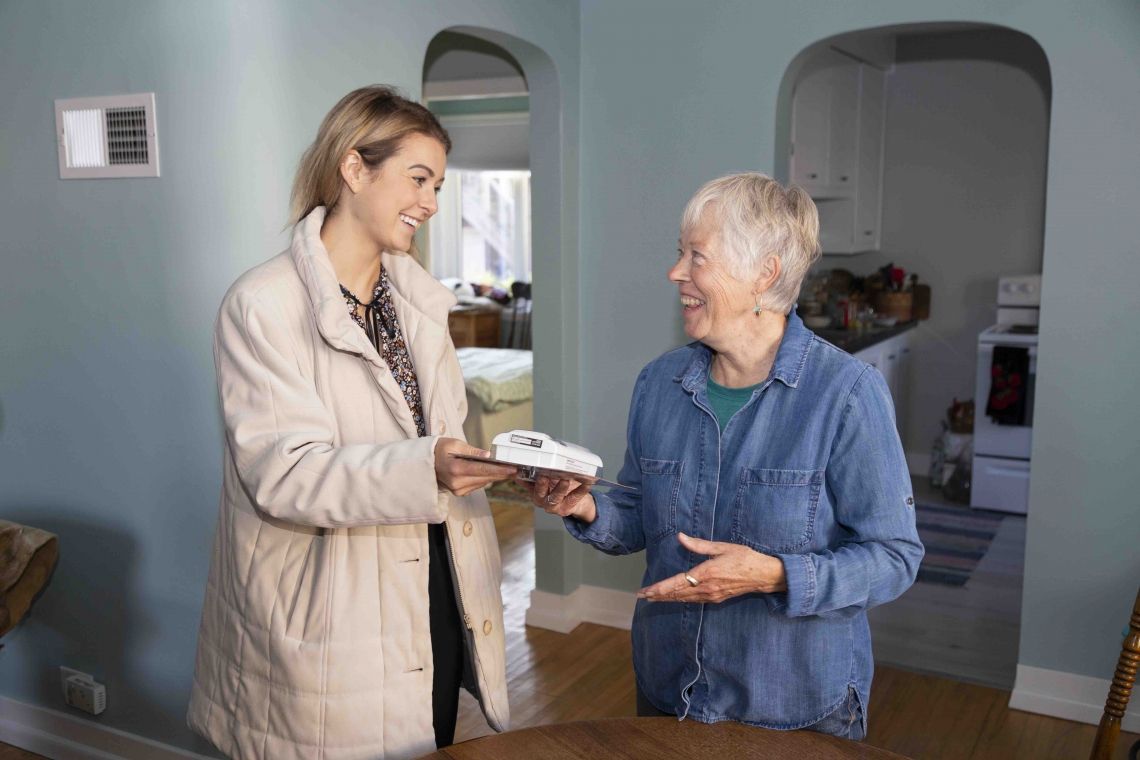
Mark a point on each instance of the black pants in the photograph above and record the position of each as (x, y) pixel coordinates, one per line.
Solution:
(646, 709)
(447, 634)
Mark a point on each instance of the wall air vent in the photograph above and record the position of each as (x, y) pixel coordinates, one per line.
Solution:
(114, 136)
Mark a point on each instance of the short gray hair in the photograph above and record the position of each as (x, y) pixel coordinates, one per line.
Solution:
(757, 217)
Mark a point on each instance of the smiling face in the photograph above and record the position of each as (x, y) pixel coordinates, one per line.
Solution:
(716, 305)
(391, 202)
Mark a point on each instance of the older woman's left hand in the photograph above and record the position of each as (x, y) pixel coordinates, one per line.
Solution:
(731, 570)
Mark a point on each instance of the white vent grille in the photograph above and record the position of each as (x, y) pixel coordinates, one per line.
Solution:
(113, 136)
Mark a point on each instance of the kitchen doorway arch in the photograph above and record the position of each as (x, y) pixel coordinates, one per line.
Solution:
(938, 194)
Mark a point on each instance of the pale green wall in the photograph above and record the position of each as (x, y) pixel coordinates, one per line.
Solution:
(675, 93)
(109, 288)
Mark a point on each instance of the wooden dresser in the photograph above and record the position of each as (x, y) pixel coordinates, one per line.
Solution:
(474, 326)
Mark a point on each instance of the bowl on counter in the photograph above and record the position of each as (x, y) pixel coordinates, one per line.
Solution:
(817, 321)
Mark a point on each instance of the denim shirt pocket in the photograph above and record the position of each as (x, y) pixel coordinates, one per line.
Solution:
(660, 490)
(775, 509)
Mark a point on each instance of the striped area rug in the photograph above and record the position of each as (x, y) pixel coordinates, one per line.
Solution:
(956, 538)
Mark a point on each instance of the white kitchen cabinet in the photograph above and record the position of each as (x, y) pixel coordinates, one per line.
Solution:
(811, 107)
(837, 148)
(891, 358)
(901, 394)
(869, 185)
(824, 110)
(836, 223)
(843, 155)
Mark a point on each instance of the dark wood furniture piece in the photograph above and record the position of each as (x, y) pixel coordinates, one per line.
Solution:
(659, 739)
(1119, 692)
(474, 326)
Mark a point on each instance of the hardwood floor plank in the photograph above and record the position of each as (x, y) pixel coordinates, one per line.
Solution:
(1001, 733)
(8, 752)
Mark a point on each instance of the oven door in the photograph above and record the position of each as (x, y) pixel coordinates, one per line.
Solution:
(990, 438)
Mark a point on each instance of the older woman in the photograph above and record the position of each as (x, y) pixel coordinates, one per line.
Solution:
(775, 506)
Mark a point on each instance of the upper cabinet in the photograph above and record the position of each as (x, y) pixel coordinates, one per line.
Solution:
(869, 188)
(837, 148)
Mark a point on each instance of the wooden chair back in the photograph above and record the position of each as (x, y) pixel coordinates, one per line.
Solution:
(1122, 682)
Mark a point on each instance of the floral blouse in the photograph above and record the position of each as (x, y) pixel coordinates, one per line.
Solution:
(383, 328)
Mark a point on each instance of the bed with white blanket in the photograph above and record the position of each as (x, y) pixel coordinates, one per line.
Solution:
(500, 392)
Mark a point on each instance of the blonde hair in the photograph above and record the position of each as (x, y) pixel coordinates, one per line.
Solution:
(373, 121)
(757, 217)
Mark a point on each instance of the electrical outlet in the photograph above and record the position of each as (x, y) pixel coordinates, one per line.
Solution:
(66, 673)
(81, 691)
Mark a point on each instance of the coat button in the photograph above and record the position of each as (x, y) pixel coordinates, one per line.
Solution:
(441, 426)
(467, 528)
(487, 627)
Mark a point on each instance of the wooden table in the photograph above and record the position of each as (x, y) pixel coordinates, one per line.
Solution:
(657, 738)
(474, 326)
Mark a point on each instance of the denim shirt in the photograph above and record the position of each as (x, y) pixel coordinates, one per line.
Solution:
(811, 471)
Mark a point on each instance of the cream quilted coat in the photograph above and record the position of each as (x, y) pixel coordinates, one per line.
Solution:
(314, 640)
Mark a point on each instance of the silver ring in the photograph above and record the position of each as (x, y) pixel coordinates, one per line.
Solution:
(551, 499)
(691, 580)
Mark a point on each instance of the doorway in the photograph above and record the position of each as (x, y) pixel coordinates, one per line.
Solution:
(480, 245)
(925, 149)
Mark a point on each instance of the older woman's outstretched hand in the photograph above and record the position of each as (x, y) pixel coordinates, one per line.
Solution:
(462, 476)
(564, 497)
(731, 570)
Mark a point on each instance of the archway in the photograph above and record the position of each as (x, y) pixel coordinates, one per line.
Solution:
(554, 321)
(963, 152)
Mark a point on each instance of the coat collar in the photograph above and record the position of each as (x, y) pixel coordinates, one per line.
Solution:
(417, 293)
(791, 357)
(421, 302)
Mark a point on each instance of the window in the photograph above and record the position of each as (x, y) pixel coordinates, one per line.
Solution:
(482, 231)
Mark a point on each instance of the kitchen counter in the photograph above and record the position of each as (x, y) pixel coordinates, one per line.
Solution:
(852, 341)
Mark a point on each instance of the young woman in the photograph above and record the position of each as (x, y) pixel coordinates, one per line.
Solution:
(354, 585)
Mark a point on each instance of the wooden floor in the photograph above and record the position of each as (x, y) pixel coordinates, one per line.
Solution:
(968, 633)
(587, 674)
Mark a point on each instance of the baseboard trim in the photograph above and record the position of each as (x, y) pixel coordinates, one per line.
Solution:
(1065, 695)
(60, 736)
(586, 604)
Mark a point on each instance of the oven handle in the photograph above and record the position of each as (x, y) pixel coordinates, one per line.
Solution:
(988, 347)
